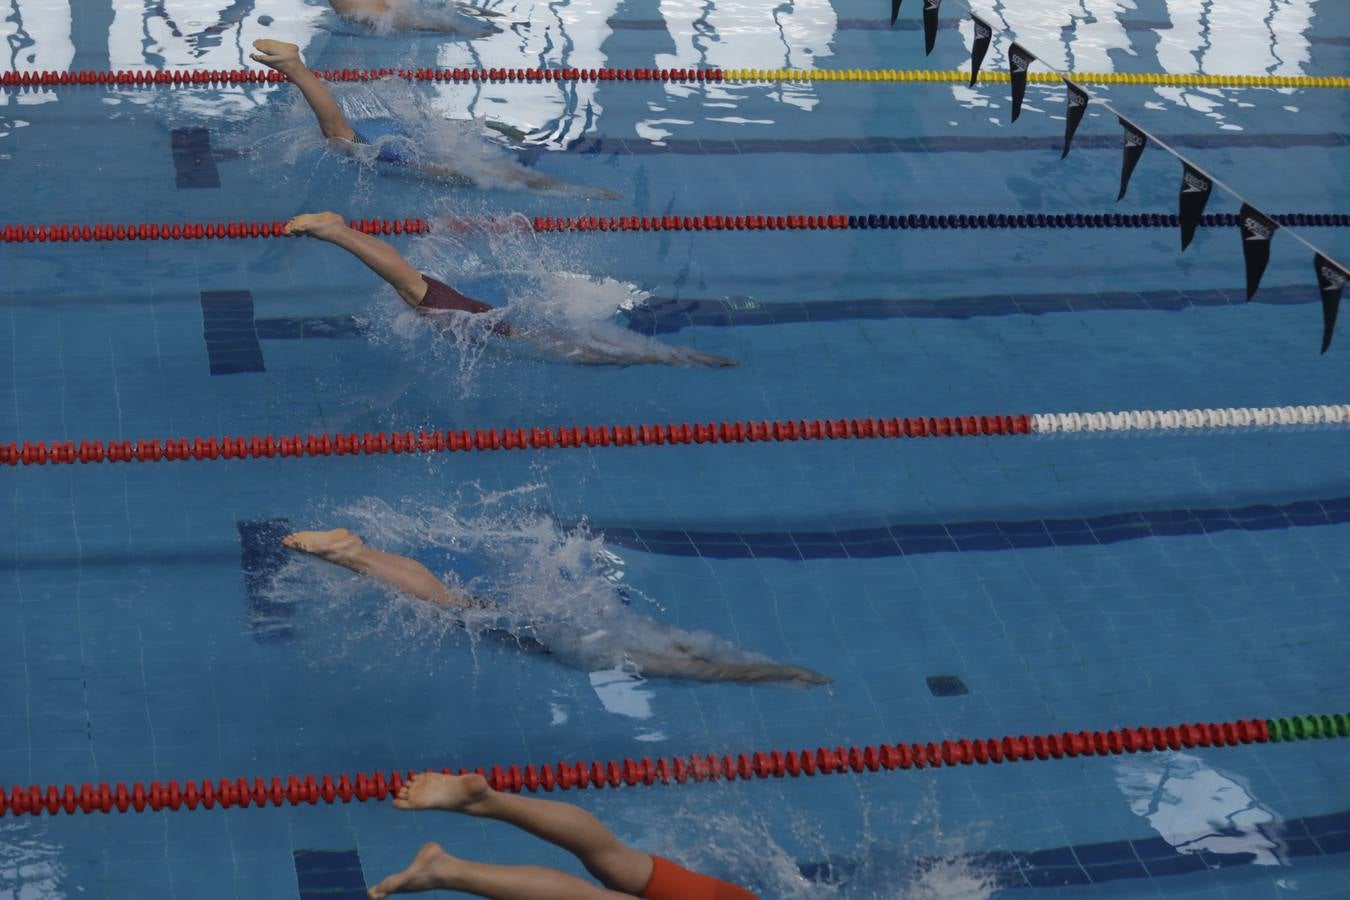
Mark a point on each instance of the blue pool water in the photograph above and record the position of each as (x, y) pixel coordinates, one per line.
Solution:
(151, 629)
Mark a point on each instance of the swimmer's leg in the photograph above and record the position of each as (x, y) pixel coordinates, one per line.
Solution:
(379, 257)
(345, 549)
(285, 58)
(435, 870)
(699, 669)
(616, 865)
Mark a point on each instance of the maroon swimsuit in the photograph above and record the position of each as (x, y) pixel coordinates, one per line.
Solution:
(441, 296)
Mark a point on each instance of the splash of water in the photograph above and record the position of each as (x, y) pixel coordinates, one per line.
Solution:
(557, 312)
(902, 851)
(399, 119)
(444, 16)
(541, 583)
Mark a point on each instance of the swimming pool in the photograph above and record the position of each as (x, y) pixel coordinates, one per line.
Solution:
(153, 630)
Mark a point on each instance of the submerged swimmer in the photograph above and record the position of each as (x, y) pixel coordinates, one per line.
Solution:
(624, 871)
(285, 58)
(345, 549)
(427, 295)
(412, 15)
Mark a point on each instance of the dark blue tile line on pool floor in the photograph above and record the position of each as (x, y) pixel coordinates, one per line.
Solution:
(664, 315)
(1095, 863)
(193, 159)
(956, 537)
(261, 556)
(330, 875)
(231, 338)
(915, 24)
(928, 144)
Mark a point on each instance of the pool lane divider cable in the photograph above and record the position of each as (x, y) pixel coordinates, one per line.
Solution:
(368, 444)
(225, 77)
(296, 790)
(237, 230)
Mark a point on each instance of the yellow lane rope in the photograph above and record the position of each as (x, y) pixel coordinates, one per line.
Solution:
(959, 77)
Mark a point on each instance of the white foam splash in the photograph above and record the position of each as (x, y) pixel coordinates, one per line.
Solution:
(444, 16)
(540, 582)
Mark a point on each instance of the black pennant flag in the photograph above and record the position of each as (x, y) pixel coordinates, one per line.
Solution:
(1331, 280)
(1135, 142)
(984, 34)
(1019, 60)
(930, 24)
(1195, 189)
(895, 10)
(1257, 230)
(1078, 101)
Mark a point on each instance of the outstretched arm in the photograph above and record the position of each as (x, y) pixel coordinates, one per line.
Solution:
(699, 669)
(380, 257)
(345, 549)
(285, 58)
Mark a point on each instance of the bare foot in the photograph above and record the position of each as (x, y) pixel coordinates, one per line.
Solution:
(338, 545)
(431, 870)
(277, 55)
(451, 793)
(320, 225)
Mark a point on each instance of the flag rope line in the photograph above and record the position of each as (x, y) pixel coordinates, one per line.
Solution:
(295, 790)
(1331, 274)
(65, 452)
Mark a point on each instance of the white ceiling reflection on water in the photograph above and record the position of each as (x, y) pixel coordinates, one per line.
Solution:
(37, 33)
(203, 34)
(1232, 37)
(1195, 807)
(542, 34)
(30, 868)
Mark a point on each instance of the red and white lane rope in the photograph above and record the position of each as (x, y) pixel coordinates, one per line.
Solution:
(370, 443)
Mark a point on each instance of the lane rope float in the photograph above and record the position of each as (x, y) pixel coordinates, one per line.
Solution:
(48, 79)
(535, 438)
(295, 790)
(518, 223)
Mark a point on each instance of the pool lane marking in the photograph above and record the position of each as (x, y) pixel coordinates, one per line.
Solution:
(918, 538)
(67, 452)
(517, 223)
(295, 790)
(133, 78)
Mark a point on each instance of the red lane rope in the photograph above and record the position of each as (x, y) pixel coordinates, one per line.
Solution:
(309, 789)
(268, 446)
(34, 233)
(220, 77)
(150, 231)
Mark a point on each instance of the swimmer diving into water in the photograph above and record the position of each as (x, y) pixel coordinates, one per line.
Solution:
(285, 58)
(343, 548)
(624, 871)
(427, 295)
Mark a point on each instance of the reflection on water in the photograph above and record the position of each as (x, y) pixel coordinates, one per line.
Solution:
(37, 33)
(29, 867)
(1251, 37)
(790, 35)
(568, 34)
(1196, 808)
